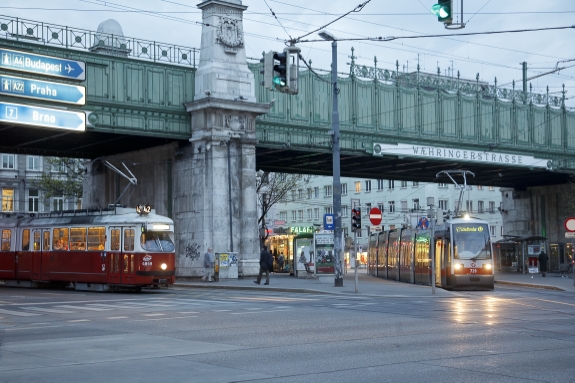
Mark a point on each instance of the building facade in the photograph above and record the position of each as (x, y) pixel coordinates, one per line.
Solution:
(20, 194)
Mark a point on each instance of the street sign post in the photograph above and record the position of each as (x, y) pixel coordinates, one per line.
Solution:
(375, 216)
(570, 235)
(42, 117)
(42, 90)
(42, 65)
(328, 222)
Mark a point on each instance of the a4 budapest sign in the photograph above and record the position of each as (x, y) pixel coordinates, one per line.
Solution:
(43, 117)
(450, 154)
(43, 65)
(42, 90)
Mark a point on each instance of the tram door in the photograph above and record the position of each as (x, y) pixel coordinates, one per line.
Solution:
(122, 262)
(439, 267)
(44, 262)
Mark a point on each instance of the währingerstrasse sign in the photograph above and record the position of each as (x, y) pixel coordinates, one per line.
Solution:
(437, 153)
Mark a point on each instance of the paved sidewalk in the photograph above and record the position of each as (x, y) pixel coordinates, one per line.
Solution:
(372, 286)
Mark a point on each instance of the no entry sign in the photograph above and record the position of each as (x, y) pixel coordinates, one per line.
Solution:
(570, 224)
(375, 216)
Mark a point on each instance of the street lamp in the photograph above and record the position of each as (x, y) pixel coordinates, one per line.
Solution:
(337, 242)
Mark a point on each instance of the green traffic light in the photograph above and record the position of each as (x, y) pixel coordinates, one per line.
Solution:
(279, 81)
(440, 11)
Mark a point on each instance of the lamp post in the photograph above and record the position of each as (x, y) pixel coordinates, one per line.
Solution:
(337, 241)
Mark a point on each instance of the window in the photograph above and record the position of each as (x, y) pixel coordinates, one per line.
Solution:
(416, 204)
(46, 241)
(367, 208)
(36, 241)
(358, 187)
(469, 206)
(293, 215)
(129, 239)
(292, 192)
(358, 234)
(490, 188)
(391, 184)
(300, 215)
(328, 210)
(380, 206)
(6, 240)
(309, 214)
(343, 189)
(115, 240)
(58, 167)
(61, 239)
(491, 207)
(442, 185)
(7, 199)
(96, 238)
(403, 206)
(300, 194)
(309, 193)
(367, 185)
(78, 203)
(492, 230)
(480, 207)
(57, 203)
(283, 215)
(327, 190)
(344, 211)
(479, 187)
(316, 192)
(33, 200)
(316, 213)
(379, 184)
(8, 161)
(26, 239)
(403, 184)
(78, 238)
(33, 163)
(391, 206)
(415, 184)
(443, 204)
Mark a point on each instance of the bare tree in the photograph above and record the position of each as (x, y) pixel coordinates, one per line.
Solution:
(63, 179)
(272, 188)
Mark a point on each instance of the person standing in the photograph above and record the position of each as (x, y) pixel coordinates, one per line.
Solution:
(281, 261)
(266, 263)
(208, 265)
(543, 262)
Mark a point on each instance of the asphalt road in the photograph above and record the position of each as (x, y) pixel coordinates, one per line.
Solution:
(511, 334)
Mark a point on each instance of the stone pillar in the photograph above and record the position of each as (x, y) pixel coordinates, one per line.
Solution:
(215, 177)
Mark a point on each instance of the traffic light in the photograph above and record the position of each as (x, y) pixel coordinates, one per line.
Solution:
(268, 70)
(356, 219)
(443, 11)
(280, 79)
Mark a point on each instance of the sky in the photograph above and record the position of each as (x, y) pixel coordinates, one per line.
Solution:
(491, 56)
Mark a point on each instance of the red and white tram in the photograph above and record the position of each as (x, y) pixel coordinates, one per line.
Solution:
(97, 250)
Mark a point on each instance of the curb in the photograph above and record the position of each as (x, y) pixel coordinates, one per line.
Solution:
(277, 289)
(531, 285)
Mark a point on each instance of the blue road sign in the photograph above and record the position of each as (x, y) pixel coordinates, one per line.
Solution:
(43, 117)
(42, 90)
(328, 222)
(43, 65)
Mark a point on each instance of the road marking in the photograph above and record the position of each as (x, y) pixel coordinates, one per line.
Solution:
(80, 320)
(152, 315)
(28, 328)
(259, 312)
(117, 318)
(142, 320)
(220, 311)
(83, 308)
(50, 311)
(17, 313)
(188, 312)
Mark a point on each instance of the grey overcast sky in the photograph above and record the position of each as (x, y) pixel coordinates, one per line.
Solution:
(498, 55)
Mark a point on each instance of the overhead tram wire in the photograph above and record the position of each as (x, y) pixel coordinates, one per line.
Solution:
(279, 22)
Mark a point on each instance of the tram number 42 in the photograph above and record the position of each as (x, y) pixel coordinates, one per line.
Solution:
(473, 271)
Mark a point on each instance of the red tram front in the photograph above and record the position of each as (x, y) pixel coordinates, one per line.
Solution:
(92, 250)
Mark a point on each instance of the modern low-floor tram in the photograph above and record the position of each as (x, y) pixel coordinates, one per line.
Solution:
(98, 250)
(462, 248)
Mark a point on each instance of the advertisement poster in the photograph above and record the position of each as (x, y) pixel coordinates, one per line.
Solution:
(324, 254)
(303, 247)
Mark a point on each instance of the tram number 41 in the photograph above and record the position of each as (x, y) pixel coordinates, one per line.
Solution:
(473, 271)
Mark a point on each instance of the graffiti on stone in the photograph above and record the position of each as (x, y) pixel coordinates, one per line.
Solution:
(193, 251)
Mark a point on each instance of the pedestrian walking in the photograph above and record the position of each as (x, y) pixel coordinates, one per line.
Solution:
(543, 262)
(208, 265)
(266, 264)
(281, 261)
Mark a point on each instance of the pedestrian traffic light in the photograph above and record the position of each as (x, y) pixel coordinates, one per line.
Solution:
(356, 219)
(280, 78)
(267, 70)
(443, 11)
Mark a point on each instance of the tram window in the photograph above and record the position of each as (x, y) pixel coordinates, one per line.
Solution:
(25, 239)
(132, 263)
(46, 243)
(156, 241)
(115, 244)
(78, 238)
(36, 241)
(6, 239)
(60, 238)
(115, 261)
(96, 238)
(128, 239)
(126, 264)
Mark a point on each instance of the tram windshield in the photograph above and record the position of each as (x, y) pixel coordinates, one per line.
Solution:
(471, 241)
(156, 241)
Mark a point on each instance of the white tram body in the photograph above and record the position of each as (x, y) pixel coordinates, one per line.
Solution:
(96, 250)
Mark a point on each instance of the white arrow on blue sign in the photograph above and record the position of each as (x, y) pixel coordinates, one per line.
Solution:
(42, 117)
(42, 90)
(43, 65)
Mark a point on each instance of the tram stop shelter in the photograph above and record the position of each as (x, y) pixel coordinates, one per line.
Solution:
(518, 253)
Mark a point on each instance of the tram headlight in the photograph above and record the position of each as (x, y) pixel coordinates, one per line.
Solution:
(487, 266)
(163, 266)
(458, 266)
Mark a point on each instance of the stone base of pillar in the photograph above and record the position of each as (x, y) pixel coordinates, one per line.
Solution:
(249, 267)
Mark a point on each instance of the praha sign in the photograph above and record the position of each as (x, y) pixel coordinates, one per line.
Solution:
(437, 153)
